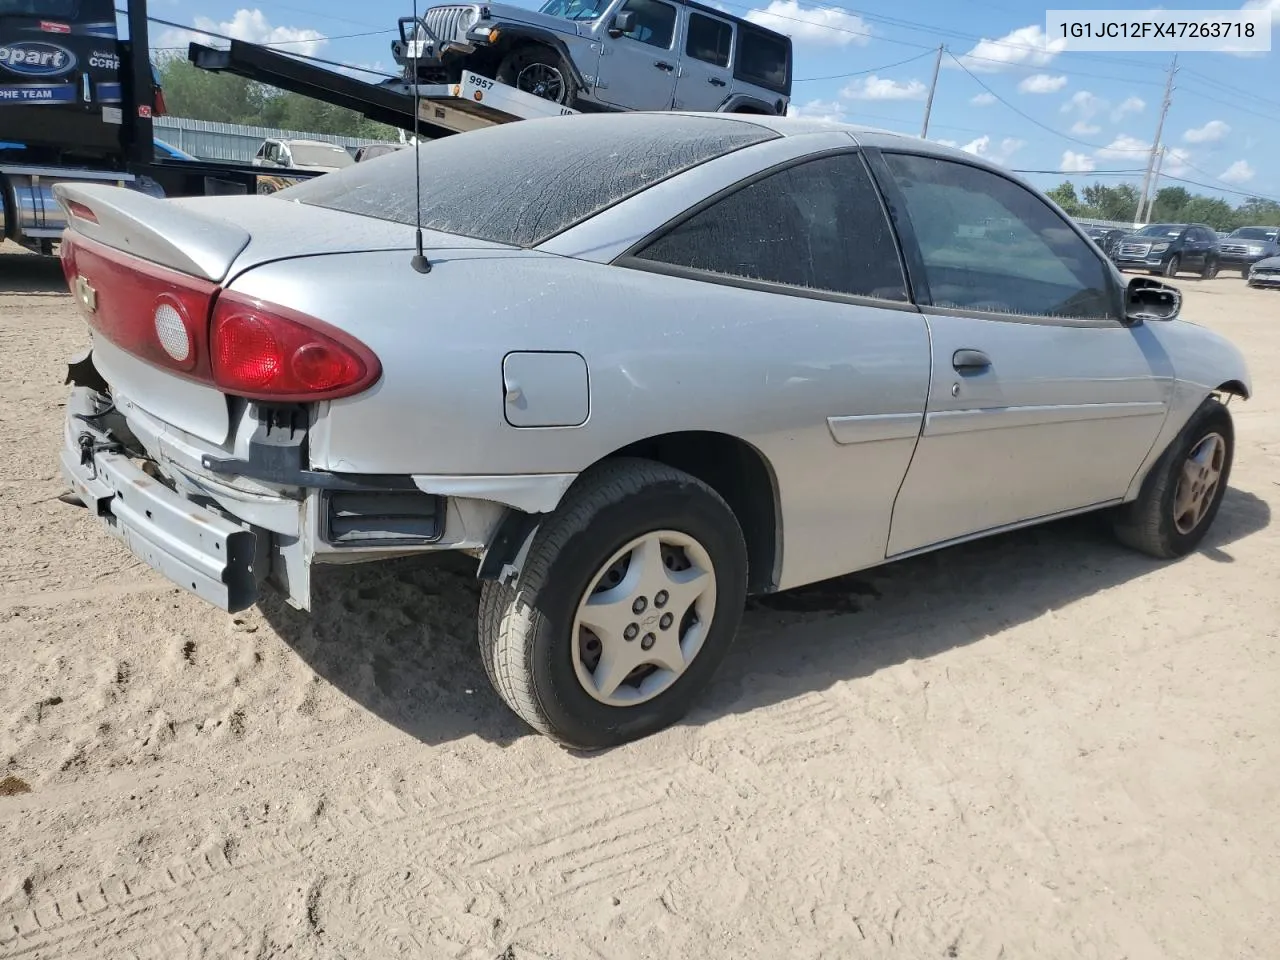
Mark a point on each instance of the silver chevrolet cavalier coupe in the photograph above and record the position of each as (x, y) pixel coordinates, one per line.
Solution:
(648, 364)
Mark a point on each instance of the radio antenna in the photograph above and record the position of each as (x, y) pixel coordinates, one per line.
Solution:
(419, 261)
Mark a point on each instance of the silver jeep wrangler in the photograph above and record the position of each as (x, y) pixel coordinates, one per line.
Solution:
(595, 55)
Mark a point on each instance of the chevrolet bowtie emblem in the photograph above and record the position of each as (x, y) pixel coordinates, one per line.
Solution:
(85, 293)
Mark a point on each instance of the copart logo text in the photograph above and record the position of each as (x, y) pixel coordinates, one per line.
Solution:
(34, 58)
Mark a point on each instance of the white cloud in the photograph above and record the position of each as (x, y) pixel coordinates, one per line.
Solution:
(1085, 106)
(251, 25)
(1042, 83)
(817, 25)
(831, 111)
(1083, 129)
(999, 153)
(1124, 147)
(1238, 172)
(1128, 106)
(1211, 132)
(1074, 162)
(983, 100)
(1026, 46)
(880, 88)
(1274, 7)
(1176, 162)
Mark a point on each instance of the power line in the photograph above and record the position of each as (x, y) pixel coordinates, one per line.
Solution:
(918, 26)
(1228, 88)
(859, 73)
(271, 43)
(1210, 186)
(1228, 104)
(1042, 126)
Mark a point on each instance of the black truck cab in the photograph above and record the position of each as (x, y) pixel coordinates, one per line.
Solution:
(61, 82)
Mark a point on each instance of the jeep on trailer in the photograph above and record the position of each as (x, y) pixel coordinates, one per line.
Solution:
(604, 55)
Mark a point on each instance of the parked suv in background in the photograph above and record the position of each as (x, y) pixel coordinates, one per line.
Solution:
(319, 156)
(594, 55)
(1247, 245)
(1170, 249)
(1106, 237)
(302, 155)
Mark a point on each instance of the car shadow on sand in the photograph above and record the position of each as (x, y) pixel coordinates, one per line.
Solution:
(399, 638)
(30, 275)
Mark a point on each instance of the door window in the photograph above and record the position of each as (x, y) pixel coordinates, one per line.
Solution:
(709, 40)
(990, 244)
(655, 22)
(818, 225)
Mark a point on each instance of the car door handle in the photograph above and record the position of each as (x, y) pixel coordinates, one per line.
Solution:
(663, 65)
(715, 81)
(970, 361)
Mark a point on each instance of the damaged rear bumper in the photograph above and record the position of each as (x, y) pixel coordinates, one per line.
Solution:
(207, 553)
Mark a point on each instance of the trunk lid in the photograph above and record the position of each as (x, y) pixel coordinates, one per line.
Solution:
(192, 248)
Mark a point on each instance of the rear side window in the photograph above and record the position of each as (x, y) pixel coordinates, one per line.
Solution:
(763, 59)
(522, 183)
(708, 40)
(818, 225)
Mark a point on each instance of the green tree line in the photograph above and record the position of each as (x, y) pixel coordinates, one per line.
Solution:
(202, 95)
(1172, 205)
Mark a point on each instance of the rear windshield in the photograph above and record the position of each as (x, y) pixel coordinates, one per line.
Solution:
(522, 183)
(317, 156)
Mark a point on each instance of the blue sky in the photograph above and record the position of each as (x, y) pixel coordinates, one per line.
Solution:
(1016, 99)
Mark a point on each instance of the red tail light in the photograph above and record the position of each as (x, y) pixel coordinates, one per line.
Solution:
(150, 311)
(238, 344)
(269, 352)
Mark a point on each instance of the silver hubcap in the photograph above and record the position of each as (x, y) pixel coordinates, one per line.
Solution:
(644, 618)
(542, 80)
(1201, 474)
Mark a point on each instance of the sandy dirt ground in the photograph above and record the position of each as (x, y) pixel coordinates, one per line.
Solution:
(1037, 746)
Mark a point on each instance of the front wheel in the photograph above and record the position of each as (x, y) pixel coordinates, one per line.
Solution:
(1171, 266)
(1181, 495)
(629, 598)
(536, 70)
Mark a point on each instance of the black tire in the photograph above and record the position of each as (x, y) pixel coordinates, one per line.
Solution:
(1171, 266)
(1147, 524)
(525, 629)
(1210, 269)
(518, 67)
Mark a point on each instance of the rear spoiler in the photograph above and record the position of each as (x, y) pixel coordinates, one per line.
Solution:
(176, 237)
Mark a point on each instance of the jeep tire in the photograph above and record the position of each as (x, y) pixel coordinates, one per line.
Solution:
(539, 70)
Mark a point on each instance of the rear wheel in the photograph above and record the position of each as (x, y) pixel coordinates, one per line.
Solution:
(1210, 269)
(628, 600)
(1172, 265)
(536, 70)
(1181, 495)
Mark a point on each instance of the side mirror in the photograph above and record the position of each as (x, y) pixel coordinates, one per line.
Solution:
(623, 22)
(1147, 299)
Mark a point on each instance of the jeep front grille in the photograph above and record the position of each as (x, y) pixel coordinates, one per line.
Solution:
(450, 24)
(1235, 249)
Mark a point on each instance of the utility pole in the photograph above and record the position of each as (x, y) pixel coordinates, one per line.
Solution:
(1155, 144)
(1150, 198)
(933, 86)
